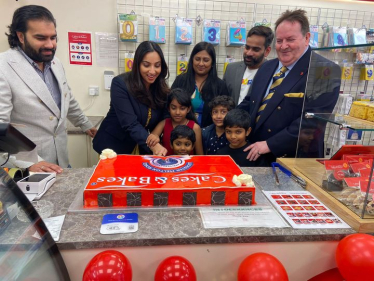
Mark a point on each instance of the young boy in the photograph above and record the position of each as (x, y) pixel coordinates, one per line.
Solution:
(236, 124)
(182, 140)
(213, 136)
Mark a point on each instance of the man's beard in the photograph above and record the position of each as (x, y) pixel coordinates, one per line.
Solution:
(37, 55)
(255, 61)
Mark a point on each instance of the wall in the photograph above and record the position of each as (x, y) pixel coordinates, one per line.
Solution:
(100, 16)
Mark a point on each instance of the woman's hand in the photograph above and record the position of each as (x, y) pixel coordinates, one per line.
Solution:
(159, 150)
(152, 140)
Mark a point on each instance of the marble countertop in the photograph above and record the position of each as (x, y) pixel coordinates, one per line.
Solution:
(95, 120)
(170, 226)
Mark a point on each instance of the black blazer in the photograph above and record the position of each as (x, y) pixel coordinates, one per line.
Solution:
(206, 119)
(280, 121)
(124, 125)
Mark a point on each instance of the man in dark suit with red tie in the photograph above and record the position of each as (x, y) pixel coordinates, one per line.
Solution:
(276, 98)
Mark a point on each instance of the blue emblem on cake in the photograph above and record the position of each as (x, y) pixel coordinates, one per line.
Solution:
(171, 164)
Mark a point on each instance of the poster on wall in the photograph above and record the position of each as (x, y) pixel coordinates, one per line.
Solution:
(80, 48)
(106, 49)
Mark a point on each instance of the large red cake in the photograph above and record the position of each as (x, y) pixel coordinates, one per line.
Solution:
(132, 180)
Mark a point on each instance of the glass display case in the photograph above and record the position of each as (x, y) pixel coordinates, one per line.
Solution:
(337, 113)
(27, 250)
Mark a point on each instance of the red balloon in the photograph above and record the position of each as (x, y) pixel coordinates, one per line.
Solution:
(355, 257)
(261, 267)
(329, 275)
(108, 265)
(175, 268)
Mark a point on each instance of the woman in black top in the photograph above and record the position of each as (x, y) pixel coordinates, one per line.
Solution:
(201, 81)
(137, 102)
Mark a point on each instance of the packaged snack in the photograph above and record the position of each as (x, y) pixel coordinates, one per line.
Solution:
(336, 171)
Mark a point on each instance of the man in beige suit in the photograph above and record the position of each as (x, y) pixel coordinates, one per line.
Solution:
(34, 93)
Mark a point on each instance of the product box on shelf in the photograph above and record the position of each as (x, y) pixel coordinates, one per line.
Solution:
(182, 64)
(236, 33)
(183, 31)
(128, 26)
(157, 30)
(212, 31)
(313, 42)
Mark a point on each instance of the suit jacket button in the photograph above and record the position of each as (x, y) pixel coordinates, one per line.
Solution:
(269, 130)
(54, 135)
(65, 95)
(253, 101)
(279, 108)
(51, 118)
(40, 100)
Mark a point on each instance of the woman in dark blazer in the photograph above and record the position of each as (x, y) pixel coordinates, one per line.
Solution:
(201, 81)
(137, 101)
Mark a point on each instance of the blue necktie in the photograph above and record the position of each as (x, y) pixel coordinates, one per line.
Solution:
(277, 80)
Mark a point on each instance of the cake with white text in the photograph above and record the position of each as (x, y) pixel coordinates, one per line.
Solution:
(142, 181)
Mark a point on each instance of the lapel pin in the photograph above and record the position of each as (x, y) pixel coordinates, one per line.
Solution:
(301, 73)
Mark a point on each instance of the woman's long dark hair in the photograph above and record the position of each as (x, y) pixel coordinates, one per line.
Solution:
(209, 88)
(184, 99)
(158, 91)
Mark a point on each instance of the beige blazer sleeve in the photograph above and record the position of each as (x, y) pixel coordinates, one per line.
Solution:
(26, 101)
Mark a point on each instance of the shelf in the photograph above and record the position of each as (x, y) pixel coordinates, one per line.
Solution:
(343, 121)
(313, 172)
(343, 47)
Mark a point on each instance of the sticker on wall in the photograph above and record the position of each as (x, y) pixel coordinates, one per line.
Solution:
(212, 31)
(157, 30)
(236, 33)
(183, 31)
(129, 60)
(128, 26)
(182, 64)
(80, 48)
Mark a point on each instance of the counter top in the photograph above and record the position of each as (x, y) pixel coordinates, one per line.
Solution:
(95, 120)
(171, 226)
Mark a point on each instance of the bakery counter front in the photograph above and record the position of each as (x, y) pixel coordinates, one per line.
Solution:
(215, 253)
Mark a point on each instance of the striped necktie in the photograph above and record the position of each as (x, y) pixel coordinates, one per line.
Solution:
(277, 80)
